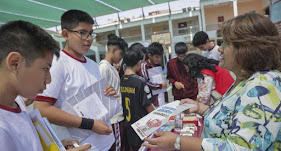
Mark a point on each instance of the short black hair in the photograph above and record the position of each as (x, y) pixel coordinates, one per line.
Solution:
(200, 38)
(196, 63)
(139, 46)
(132, 56)
(181, 48)
(155, 49)
(71, 19)
(118, 42)
(29, 40)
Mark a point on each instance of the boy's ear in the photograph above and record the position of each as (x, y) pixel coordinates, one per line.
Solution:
(64, 34)
(14, 60)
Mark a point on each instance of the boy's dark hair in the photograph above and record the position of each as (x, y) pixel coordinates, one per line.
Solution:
(72, 18)
(117, 41)
(155, 49)
(29, 40)
(200, 38)
(132, 57)
(196, 63)
(181, 48)
(139, 46)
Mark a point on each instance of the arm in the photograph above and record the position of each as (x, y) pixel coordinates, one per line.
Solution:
(59, 117)
(170, 76)
(199, 110)
(150, 108)
(166, 140)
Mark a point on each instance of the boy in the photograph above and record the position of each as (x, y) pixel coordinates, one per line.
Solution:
(183, 85)
(155, 54)
(24, 71)
(136, 97)
(71, 73)
(209, 50)
(114, 53)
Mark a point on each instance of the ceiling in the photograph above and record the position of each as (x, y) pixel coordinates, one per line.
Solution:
(46, 13)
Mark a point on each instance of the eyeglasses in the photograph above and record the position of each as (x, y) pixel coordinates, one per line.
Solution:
(85, 35)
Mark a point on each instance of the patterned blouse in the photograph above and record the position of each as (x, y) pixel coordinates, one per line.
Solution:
(248, 118)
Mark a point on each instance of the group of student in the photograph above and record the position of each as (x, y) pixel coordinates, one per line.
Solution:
(32, 66)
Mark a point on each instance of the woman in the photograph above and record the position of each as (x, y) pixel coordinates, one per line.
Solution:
(248, 117)
(212, 80)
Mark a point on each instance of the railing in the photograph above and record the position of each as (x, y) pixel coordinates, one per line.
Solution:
(185, 31)
(148, 34)
(133, 38)
(213, 26)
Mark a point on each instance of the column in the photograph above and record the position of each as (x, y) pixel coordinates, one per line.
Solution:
(172, 35)
(203, 17)
(235, 10)
(142, 32)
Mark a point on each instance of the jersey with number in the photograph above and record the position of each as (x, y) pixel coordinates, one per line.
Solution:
(136, 96)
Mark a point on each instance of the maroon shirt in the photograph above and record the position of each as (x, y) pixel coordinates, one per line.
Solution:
(177, 72)
(153, 86)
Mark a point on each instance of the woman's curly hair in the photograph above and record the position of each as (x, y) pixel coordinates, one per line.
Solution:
(196, 63)
(256, 42)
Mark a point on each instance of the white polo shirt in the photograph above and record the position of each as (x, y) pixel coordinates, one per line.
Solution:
(16, 129)
(70, 76)
(111, 75)
(213, 53)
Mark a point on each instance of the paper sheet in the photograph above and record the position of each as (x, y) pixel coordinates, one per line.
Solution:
(156, 76)
(152, 121)
(91, 103)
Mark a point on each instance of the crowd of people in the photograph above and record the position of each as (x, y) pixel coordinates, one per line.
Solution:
(241, 113)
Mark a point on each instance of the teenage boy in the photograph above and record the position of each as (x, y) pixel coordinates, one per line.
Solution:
(114, 53)
(72, 73)
(24, 70)
(202, 42)
(136, 97)
(183, 85)
(155, 55)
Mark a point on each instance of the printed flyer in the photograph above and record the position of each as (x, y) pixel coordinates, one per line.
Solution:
(152, 121)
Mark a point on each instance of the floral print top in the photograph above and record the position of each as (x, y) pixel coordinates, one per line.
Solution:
(248, 118)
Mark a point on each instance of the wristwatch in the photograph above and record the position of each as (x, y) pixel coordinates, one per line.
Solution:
(177, 144)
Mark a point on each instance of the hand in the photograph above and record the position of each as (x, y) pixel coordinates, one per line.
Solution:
(179, 85)
(109, 90)
(190, 101)
(101, 127)
(80, 148)
(164, 85)
(164, 141)
(68, 143)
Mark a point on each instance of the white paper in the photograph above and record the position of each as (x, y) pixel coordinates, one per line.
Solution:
(91, 103)
(156, 76)
(85, 107)
(152, 121)
(157, 79)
